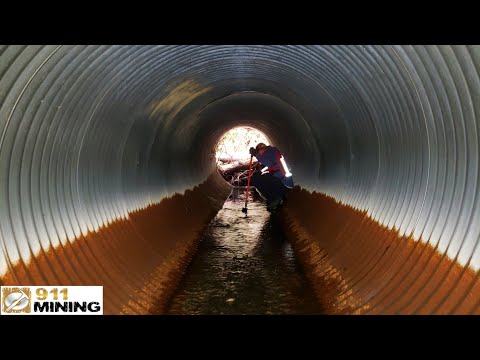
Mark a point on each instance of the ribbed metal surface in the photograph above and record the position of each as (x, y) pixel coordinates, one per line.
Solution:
(92, 133)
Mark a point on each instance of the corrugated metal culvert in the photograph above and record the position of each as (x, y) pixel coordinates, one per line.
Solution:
(94, 137)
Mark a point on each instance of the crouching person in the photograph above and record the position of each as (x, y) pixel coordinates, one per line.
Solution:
(274, 179)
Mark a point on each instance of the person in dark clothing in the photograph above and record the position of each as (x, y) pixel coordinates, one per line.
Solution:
(273, 180)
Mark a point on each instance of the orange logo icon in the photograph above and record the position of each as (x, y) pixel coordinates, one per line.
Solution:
(16, 300)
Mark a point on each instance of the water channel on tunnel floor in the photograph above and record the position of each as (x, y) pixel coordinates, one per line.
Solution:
(244, 265)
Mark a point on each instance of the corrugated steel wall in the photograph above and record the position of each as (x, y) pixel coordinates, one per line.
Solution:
(91, 134)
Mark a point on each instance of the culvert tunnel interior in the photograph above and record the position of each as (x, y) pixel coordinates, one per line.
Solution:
(108, 175)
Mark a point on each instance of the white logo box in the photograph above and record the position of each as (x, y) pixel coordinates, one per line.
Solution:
(51, 300)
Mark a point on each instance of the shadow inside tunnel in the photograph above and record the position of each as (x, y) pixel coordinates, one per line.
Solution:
(244, 265)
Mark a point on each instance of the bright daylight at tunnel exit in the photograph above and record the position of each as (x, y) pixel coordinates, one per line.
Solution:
(233, 156)
(239, 179)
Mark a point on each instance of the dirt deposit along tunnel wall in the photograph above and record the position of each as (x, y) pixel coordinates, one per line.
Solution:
(107, 170)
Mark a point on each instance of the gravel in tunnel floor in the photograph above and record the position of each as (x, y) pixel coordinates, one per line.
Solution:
(244, 265)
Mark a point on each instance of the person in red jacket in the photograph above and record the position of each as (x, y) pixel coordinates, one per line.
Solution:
(274, 179)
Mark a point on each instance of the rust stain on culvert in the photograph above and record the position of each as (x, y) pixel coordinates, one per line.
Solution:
(139, 260)
(358, 266)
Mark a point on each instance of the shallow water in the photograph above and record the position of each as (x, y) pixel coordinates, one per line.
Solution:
(244, 265)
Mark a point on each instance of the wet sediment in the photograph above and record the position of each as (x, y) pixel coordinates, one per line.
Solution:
(244, 265)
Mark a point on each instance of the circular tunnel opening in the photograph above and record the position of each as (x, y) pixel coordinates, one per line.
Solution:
(105, 150)
(232, 153)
